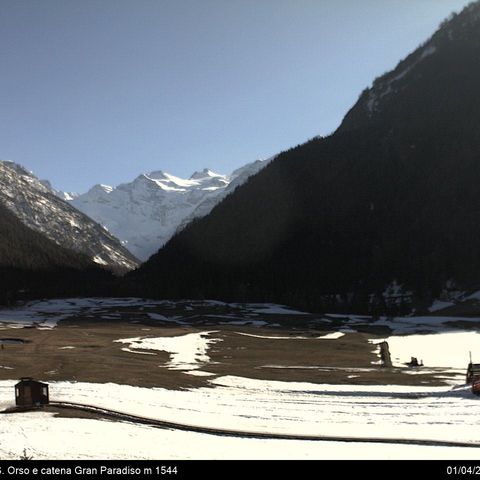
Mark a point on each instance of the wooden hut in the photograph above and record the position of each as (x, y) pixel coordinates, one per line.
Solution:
(473, 371)
(30, 392)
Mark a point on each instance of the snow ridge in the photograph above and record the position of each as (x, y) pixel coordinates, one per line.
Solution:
(145, 213)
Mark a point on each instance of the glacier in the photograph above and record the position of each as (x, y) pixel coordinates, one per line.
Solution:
(145, 213)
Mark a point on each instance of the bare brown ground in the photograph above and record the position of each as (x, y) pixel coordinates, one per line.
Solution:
(97, 358)
(94, 358)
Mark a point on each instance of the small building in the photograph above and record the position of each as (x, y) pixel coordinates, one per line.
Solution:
(473, 371)
(30, 392)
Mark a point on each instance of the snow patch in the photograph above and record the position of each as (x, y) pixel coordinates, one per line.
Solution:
(440, 305)
(332, 336)
(273, 309)
(200, 373)
(473, 296)
(446, 350)
(188, 352)
(384, 87)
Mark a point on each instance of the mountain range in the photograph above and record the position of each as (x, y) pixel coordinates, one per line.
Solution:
(145, 213)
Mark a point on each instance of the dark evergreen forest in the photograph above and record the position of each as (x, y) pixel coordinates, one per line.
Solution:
(392, 194)
(32, 266)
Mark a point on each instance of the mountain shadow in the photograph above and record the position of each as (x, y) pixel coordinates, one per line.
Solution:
(392, 195)
(33, 266)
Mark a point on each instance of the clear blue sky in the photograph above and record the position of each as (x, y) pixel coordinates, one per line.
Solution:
(98, 91)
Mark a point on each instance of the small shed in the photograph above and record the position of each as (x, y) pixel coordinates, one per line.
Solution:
(473, 371)
(30, 392)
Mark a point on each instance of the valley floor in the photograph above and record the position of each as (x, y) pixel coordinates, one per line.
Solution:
(245, 367)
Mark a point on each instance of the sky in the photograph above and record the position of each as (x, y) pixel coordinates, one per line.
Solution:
(99, 91)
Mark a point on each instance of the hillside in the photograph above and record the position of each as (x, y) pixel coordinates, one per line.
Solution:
(33, 266)
(22, 247)
(392, 195)
(36, 205)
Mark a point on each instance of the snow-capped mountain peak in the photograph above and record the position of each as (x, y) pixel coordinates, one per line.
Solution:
(148, 211)
(205, 173)
(99, 190)
(157, 175)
